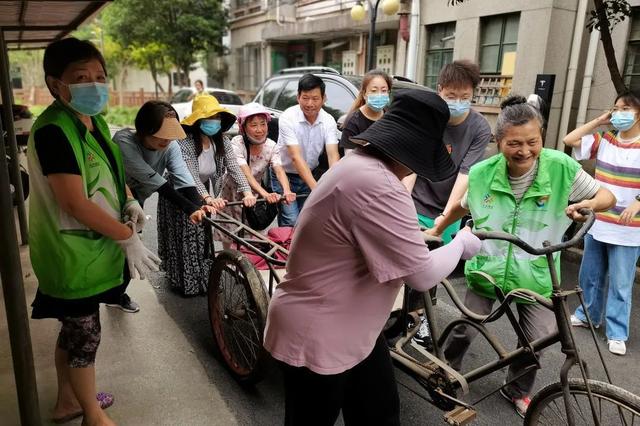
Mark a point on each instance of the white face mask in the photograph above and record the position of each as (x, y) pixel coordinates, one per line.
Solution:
(253, 141)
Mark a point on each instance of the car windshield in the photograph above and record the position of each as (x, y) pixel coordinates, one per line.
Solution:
(226, 97)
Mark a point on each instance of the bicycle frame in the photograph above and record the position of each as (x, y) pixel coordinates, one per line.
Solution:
(443, 385)
(253, 244)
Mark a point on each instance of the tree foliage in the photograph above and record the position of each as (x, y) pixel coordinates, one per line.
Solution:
(158, 30)
(612, 12)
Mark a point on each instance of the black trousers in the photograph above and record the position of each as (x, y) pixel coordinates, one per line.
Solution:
(366, 394)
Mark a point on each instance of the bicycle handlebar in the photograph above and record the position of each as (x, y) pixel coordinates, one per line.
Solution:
(495, 235)
(263, 200)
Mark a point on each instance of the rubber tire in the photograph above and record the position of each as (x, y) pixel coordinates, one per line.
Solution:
(256, 295)
(577, 385)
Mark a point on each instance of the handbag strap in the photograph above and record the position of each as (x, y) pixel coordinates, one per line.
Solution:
(247, 144)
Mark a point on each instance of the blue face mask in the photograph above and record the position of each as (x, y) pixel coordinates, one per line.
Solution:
(89, 98)
(458, 108)
(377, 101)
(210, 127)
(623, 120)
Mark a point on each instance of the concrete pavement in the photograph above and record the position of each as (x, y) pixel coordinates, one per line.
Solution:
(144, 359)
(160, 364)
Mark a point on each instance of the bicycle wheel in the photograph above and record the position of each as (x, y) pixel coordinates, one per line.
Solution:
(614, 405)
(238, 312)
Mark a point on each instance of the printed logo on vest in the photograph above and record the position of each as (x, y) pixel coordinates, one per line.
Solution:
(91, 159)
(542, 201)
(487, 201)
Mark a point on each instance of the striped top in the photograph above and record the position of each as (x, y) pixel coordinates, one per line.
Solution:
(584, 187)
(618, 170)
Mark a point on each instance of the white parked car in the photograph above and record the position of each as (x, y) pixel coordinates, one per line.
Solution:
(182, 103)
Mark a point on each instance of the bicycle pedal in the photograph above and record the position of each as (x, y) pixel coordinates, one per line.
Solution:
(460, 416)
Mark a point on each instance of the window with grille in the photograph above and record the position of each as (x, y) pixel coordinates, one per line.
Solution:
(632, 61)
(440, 41)
(499, 36)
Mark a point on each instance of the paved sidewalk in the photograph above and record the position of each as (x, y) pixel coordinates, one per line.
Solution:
(144, 359)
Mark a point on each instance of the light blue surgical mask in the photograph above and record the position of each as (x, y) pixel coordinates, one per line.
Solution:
(377, 101)
(458, 108)
(623, 120)
(89, 98)
(210, 127)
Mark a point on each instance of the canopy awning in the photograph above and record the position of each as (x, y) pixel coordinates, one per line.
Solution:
(34, 24)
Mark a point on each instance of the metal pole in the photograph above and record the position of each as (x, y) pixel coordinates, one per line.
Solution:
(15, 306)
(373, 11)
(7, 100)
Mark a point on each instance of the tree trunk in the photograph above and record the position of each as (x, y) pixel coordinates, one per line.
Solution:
(123, 77)
(185, 76)
(607, 45)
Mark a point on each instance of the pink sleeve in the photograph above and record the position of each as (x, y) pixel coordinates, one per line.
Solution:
(387, 234)
(442, 261)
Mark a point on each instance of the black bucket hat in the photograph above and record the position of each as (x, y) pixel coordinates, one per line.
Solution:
(410, 132)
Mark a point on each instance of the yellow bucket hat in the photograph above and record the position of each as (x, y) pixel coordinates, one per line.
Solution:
(206, 106)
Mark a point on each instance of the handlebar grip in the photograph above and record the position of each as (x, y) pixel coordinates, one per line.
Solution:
(431, 239)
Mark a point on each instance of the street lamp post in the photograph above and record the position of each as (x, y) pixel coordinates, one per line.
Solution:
(389, 7)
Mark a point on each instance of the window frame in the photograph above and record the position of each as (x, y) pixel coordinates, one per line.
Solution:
(501, 43)
(431, 29)
(627, 76)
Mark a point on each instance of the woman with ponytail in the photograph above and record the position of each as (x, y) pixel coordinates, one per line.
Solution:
(368, 106)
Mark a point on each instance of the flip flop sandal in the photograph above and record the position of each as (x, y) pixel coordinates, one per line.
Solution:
(105, 399)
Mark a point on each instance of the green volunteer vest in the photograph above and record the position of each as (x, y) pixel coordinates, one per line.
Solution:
(70, 260)
(539, 216)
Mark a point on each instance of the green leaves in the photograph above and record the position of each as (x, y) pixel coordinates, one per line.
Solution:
(159, 33)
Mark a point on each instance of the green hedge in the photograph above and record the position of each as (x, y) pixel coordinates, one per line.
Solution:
(121, 116)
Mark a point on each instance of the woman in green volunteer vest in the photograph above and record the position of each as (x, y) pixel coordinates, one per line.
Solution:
(525, 190)
(78, 239)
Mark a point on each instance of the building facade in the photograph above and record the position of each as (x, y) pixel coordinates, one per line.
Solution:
(512, 41)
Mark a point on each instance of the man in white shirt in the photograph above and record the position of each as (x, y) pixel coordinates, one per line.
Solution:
(304, 131)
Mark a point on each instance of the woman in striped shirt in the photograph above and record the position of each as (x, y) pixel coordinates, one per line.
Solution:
(612, 246)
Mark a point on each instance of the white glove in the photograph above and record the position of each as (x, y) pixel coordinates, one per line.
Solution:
(133, 212)
(139, 258)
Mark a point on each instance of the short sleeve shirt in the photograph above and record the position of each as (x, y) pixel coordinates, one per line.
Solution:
(55, 152)
(294, 129)
(355, 124)
(356, 237)
(618, 170)
(466, 143)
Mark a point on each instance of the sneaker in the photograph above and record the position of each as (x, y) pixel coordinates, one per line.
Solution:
(521, 404)
(617, 347)
(423, 336)
(577, 322)
(126, 304)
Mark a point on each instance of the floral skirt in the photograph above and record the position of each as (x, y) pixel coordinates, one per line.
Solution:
(181, 246)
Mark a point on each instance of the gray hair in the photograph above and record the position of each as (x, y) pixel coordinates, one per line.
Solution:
(515, 111)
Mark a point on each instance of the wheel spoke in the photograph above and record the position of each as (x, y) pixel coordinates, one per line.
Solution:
(579, 411)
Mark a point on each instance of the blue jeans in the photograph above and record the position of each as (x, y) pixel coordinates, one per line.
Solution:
(617, 263)
(288, 214)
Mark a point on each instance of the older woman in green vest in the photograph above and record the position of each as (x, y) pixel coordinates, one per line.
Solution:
(531, 192)
(78, 205)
